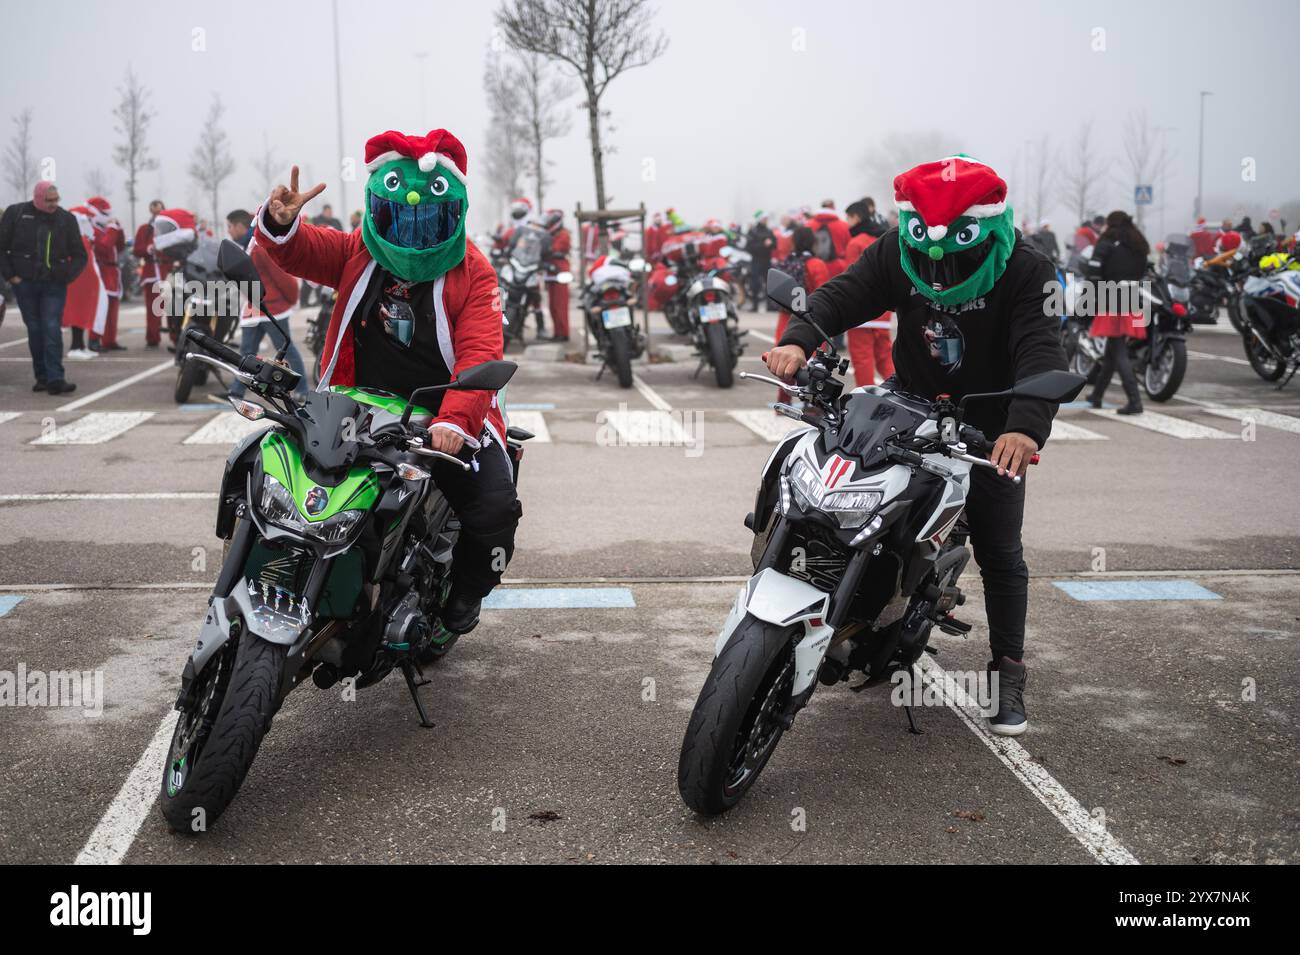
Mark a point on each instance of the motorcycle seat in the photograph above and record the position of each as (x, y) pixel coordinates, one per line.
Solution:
(519, 434)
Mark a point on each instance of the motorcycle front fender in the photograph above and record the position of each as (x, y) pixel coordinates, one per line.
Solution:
(272, 616)
(773, 597)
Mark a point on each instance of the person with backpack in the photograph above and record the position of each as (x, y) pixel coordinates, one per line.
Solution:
(1120, 255)
(809, 273)
(830, 237)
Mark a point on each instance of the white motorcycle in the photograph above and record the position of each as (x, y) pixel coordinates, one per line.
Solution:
(859, 544)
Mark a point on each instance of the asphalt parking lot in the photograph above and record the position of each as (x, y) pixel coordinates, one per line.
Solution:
(1163, 723)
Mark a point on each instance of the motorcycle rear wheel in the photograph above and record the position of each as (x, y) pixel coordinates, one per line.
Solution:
(214, 745)
(720, 353)
(735, 726)
(620, 355)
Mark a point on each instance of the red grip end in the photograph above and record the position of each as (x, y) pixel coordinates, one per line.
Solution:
(1034, 458)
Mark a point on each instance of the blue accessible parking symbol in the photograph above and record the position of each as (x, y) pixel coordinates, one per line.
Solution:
(1135, 590)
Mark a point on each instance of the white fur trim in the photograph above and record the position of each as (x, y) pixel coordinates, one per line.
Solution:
(472, 442)
(936, 232)
(354, 300)
(443, 325)
(277, 239)
(986, 210)
(905, 206)
(429, 160)
(383, 158)
(175, 237)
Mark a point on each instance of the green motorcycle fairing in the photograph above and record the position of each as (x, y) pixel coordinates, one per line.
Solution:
(358, 490)
(384, 400)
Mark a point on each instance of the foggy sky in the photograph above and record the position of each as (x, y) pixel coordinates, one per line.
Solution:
(733, 118)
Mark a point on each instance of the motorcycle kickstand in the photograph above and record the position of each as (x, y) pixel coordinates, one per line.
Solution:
(911, 722)
(700, 367)
(408, 671)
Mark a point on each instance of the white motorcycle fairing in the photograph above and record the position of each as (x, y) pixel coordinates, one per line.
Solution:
(777, 599)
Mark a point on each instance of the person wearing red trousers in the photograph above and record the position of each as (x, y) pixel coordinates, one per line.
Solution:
(809, 272)
(557, 293)
(869, 346)
(108, 243)
(154, 267)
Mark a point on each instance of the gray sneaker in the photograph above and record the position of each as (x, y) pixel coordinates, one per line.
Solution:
(1010, 719)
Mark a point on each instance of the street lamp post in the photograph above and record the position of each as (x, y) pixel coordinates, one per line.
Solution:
(1200, 155)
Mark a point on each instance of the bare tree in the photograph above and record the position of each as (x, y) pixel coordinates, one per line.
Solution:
(523, 91)
(131, 154)
(1144, 149)
(211, 163)
(97, 182)
(897, 152)
(1041, 167)
(506, 158)
(1081, 174)
(19, 164)
(269, 166)
(598, 39)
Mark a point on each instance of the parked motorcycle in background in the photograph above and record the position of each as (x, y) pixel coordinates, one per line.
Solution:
(196, 296)
(521, 277)
(317, 326)
(1270, 311)
(858, 547)
(701, 307)
(609, 307)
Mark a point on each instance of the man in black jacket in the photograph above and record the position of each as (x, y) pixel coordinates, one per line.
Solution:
(974, 315)
(40, 253)
(760, 242)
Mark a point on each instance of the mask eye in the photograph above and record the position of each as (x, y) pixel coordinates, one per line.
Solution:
(438, 186)
(393, 181)
(968, 233)
(917, 228)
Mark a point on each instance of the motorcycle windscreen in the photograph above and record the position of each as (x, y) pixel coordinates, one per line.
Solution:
(528, 246)
(870, 421)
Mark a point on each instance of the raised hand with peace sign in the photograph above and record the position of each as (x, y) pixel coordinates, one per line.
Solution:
(287, 202)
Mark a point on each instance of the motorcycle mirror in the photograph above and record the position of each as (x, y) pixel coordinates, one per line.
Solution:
(782, 288)
(1059, 386)
(236, 264)
(489, 376)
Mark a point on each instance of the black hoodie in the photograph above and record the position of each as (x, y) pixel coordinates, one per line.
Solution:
(40, 246)
(983, 345)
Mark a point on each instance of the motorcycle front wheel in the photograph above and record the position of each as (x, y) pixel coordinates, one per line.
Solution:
(737, 720)
(217, 738)
(1163, 376)
(189, 376)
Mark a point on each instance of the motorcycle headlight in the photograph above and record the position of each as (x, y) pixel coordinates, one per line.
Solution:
(849, 508)
(279, 508)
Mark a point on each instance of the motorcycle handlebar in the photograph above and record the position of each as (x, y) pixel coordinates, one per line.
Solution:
(211, 345)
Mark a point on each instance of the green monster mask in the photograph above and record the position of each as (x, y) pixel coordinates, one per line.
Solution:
(961, 266)
(414, 224)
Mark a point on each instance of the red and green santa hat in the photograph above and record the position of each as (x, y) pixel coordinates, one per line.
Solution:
(955, 229)
(416, 201)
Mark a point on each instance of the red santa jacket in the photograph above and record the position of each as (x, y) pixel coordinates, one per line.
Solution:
(465, 306)
(558, 255)
(839, 230)
(109, 243)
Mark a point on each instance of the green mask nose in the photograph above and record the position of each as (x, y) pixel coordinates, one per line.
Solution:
(935, 253)
(412, 198)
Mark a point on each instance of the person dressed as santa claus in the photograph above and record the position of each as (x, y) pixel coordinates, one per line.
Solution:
(972, 300)
(108, 244)
(86, 310)
(417, 304)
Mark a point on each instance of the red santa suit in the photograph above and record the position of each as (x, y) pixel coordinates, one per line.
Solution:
(153, 269)
(109, 242)
(466, 310)
(839, 231)
(869, 346)
(557, 293)
(816, 274)
(86, 306)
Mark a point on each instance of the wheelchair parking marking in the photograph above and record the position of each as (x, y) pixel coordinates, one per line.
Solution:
(559, 598)
(532, 421)
(95, 428)
(1077, 820)
(226, 428)
(124, 383)
(1135, 590)
(1166, 424)
(8, 602)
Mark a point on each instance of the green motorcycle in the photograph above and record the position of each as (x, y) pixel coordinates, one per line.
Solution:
(337, 562)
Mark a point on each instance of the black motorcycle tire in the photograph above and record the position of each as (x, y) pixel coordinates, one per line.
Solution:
(191, 375)
(619, 356)
(1177, 371)
(1234, 316)
(1263, 361)
(720, 355)
(243, 718)
(745, 678)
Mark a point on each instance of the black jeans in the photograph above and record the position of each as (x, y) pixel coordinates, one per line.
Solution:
(489, 511)
(758, 282)
(41, 304)
(995, 509)
(1114, 359)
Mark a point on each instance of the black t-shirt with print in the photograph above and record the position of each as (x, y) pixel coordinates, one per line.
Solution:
(382, 361)
(983, 345)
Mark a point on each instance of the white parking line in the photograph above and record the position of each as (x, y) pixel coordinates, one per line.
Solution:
(112, 837)
(8, 416)
(95, 428)
(124, 383)
(225, 428)
(638, 428)
(753, 333)
(1207, 356)
(1064, 431)
(1077, 820)
(1165, 424)
(766, 423)
(110, 496)
(532, 421)
(650, 394)
(1269, 419)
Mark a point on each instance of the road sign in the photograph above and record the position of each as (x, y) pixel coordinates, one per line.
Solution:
(1142, 195)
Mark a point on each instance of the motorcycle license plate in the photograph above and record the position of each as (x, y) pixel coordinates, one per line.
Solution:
(616, 317)
(713, 312)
